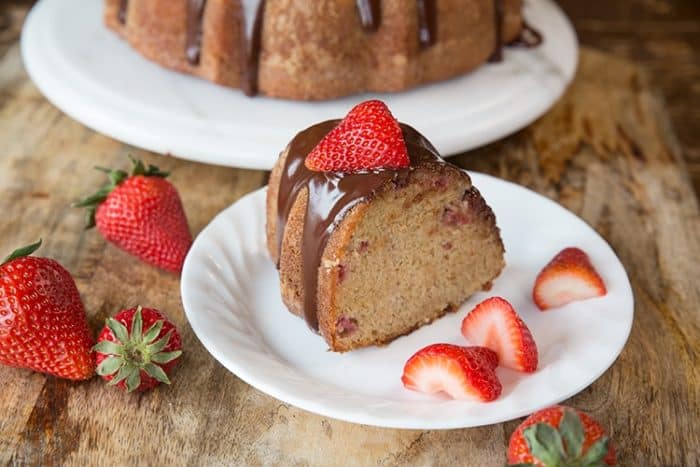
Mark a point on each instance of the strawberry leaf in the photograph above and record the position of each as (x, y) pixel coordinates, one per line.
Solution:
(571, 430)
(137, 326)
(109, 348)
(596, 453)
(22, 252)
(118, 330)
(153, 332)
(109, 366)
(160, 344)
(156, 372)
(133, 380)
(139, 169)
(545, 443)
(165, 357)
(122, 374)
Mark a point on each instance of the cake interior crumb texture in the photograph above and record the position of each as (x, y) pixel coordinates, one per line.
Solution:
(415, 254)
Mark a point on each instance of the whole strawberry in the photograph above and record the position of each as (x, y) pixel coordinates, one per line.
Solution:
(42, 319)
(560, 436)
(137, 349)
(141, 213)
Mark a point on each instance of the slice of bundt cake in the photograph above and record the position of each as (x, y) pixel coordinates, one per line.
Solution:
(317, 49)
(373, 233)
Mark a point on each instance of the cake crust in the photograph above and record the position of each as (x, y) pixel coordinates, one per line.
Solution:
(334, 58)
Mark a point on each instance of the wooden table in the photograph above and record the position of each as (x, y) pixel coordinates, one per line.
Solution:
(607, 151)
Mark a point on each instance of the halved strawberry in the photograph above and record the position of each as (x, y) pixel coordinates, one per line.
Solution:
(460, 372)
(369, 137)
(570, 276)
(494, 323)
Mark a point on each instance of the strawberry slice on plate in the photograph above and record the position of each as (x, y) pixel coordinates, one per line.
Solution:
(568, 277)
(368, 138)
(494, 323)
(466, 373)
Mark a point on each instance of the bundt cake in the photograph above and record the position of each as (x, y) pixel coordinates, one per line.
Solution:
(369, 253)
(318, 49)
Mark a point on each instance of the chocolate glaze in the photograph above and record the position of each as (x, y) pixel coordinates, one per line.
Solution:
(370, 16)
(121, 14)
(370, 13)
(330, 196)
(427, 22)
(253, 47)
(497, 54)
(529, 37)
(193, 42)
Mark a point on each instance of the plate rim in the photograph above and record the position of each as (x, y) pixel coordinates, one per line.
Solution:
(365, 418)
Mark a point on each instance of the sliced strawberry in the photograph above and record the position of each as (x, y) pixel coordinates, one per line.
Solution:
(460, 372)
(369, 137)
(570, 276)
(494, 323)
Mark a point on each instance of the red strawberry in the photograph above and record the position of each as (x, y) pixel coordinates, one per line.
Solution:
(42, 319)
(560, 436)
(369, 137)
(460, 372)
(494, 323)
(134, 359)
(568, 277)
(142, 214)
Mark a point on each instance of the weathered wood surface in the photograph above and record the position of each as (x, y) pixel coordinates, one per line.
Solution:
(662, 35)
(606, 151)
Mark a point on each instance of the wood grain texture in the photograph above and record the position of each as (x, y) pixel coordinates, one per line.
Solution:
(606, 151)
(664, 37)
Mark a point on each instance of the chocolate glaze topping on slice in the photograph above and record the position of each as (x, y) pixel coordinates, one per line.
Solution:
(330, 196)
(121, 13)
(370, 13)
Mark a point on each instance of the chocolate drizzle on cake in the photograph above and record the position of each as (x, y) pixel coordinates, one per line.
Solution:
(370, 17)
(427, 22)
(370, 13)
(529, 37)
(497, 54)
(253, 47)
(121, 13)
(195, 17)
(254, 11)
(330, 196)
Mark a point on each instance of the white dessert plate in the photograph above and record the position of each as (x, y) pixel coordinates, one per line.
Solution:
(230, 291)
(97, 79)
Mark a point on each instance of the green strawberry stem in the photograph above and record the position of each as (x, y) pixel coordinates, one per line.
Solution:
(135, 352)
(116, 177)
(563, 446)
(22, 252)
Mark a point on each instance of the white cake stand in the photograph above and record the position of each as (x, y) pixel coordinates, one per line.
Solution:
(96, 78)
